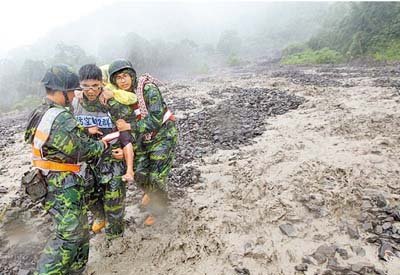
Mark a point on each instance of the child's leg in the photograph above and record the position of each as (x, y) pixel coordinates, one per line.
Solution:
(128, 156)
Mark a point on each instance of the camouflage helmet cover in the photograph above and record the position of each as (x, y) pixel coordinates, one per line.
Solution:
(120, 65)
(60, 78)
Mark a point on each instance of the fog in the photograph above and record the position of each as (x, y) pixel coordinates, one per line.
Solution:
(163, 38)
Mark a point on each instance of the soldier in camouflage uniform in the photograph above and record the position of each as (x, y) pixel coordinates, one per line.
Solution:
(66, 145)
(108, 200)
(155, 135)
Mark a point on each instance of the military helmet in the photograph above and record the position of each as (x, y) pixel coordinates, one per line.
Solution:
(119, 65)
(60, 78)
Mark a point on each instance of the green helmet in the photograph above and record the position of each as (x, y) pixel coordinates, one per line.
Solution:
(120, 65)
(60, 78)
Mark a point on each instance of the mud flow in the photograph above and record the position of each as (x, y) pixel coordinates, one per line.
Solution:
(279, 170)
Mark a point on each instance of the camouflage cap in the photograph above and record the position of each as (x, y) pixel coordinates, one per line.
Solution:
(60, 78)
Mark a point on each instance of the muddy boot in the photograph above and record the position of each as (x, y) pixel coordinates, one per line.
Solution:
(145, 200)
(150, 220)
(157, 206)
(98, 225)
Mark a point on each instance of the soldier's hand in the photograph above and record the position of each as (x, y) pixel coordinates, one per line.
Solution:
(95, 131)
(78, 94)
(122, 125)
(105, 143)
(105, 96)
(117, 153)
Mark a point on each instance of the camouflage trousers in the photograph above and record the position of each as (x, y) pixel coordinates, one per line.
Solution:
(68, 250)
(153, 163)
(107, 200)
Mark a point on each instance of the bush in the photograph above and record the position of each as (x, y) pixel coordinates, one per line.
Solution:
(294, 48)
(389, 52)
(29, 102)
(233, 60)
(323, 56)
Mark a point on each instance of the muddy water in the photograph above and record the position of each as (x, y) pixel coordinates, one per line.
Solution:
(280, 170)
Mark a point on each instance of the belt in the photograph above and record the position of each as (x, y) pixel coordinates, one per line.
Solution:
(56, 166)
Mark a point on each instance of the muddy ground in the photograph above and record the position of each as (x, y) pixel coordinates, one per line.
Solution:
(280, 170)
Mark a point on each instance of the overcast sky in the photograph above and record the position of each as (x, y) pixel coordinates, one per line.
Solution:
(22, 22)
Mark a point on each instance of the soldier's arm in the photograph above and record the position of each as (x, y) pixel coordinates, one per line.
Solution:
(69, 137)
(156, 110)
(118, 110)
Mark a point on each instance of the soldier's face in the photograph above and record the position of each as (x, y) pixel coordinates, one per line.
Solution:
(70, 95)
(124, 81)
(91, 88)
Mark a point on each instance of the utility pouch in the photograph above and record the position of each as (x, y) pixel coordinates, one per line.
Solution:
(34, 184)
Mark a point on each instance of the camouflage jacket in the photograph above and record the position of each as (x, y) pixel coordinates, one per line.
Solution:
(67, 142)
(152, 122)
(156, 109)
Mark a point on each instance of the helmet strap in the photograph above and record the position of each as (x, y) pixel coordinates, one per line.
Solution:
(67, 103)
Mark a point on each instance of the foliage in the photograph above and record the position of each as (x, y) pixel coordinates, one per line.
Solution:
(309, 56)
(71, 55)
(28, 102)
(389, 52)
(357, 29)
(294, 49)
(233, 60)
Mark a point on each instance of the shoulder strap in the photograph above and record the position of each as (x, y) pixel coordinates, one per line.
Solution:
(43, 130)
(75, 104)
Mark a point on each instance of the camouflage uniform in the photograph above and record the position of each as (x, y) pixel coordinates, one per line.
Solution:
(153, 158)
(67, 251)
(109, 191)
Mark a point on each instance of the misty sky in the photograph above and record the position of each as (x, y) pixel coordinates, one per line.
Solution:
(23, 22)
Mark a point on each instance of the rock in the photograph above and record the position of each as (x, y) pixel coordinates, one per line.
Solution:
(380, 200)
(380, 271)
(301, 267)
(352, 230)
(362, 268)
(323, 253)
(242, 271)
(366, 205)
(358, 250)
(367, 226)
(378, 229)
(386, 226)
(396, 237)
(396, 227)
(207, 102)
(248, 247)
(343, 253)
(396, 215)
(258, 252)
(334, 265)
(308, 260)
(288, 229)
(389, 219)
(385, 251)
(3, 190)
